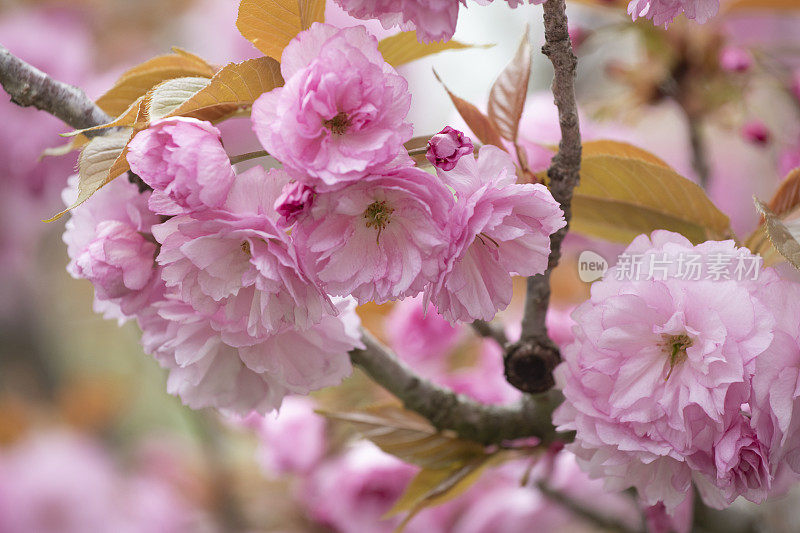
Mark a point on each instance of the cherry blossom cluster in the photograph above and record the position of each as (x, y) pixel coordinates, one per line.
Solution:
(672, 382)
(244, 284)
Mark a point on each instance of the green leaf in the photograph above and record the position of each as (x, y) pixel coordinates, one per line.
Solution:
(101, 160)
(232, 89)
(168, 97)
(621, 197)
(404, 47)
(271, 24)
(782, 236)
(509, 92)
(410, 437)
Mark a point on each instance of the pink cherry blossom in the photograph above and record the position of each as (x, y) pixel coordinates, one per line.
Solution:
(293, 201)
(205, 371)
(352, 492)
(237, 267)
(118, 262)
(184, 162)
(660, 366)
(434, 20)
(498, 228)
(341, 114)
(107, 242)
(378, 239)
(64, 482)
(419, 336)
(662, 12)
(776, 384)
(447, 147)
(293, 440)
(741, 467)
(680, 521)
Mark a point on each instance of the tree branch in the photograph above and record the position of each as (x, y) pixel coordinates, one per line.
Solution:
(530, 362)
(487, 424)
(29, 86)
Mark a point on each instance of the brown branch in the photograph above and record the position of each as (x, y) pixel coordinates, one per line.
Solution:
(29, 86)
(487, 424)
(530, 362)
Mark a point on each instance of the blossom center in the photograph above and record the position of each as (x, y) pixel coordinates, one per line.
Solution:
(676, 346)
(246, 247)
(338, 125)
(378, 215)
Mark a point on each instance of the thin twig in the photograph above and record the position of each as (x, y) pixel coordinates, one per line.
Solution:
(29, 86)
(587, 513)
(529, 363)
(248, 156)
(699, 157)
(490, 331)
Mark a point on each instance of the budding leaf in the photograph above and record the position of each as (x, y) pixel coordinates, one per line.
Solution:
(404, 48)
(101, 160)
(167, 97)
(780, 234)
(271, 24)
(509, 92)
(410, 437)
(479, 123)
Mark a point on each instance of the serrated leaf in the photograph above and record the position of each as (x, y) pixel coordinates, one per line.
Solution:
(232, 89)
(621, 149)
(619, 198)
(410, 437)
(479, 123)
(167, 97)
(509, 92)
(271, 24)
(137, 81)
(785, 204)
(101, 160)
(404, 47)
(780, 235)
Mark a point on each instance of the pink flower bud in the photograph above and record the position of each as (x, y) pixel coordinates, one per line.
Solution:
(447, 147)
(735, 59)
(756, 132)
(294, 199)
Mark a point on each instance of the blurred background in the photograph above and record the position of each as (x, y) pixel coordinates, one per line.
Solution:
(89, 439)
